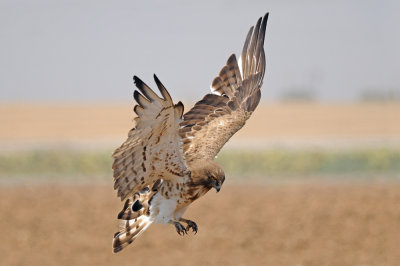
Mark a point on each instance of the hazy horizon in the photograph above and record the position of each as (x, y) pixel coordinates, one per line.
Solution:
(89, 51)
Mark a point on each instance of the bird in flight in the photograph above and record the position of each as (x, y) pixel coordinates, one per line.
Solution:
(167, 161)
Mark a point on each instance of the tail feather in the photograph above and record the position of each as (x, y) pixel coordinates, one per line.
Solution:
(134, 217)
(133, 208)
(130, 230)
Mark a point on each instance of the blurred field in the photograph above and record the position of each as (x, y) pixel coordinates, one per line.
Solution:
(312, 122)
(247, 165)
(337, 224)
(307, 184)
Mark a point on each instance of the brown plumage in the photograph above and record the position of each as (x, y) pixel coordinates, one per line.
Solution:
(167, 161)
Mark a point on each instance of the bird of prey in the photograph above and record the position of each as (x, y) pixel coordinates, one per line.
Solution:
(167, 161)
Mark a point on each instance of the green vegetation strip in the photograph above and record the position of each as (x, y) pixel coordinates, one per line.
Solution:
(59, 163)
(311, 161)
(56, 163)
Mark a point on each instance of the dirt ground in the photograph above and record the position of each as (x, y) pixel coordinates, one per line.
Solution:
(291, 224)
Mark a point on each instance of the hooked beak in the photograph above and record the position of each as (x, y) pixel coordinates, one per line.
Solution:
(217, 188)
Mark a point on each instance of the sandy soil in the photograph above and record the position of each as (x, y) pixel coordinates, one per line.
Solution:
(335, 224)
(44, 122)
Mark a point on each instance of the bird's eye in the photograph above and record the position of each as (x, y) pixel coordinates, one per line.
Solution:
(212, 178)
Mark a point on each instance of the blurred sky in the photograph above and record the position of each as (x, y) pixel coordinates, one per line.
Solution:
(89, 50)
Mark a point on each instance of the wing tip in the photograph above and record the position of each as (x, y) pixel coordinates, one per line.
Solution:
(264, 24)
(145, 90)
(138, 82)
(140, 85)
(231, 59)
(180, 108)
(164, 92)
(140, 99)
(136, 95)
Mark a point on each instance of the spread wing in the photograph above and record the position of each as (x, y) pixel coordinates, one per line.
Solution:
(153, 149)
(236, 93)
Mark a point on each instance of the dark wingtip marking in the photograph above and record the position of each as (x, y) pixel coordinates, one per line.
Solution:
(263, 28)
(138, 98)
(164, 92)
(116, 234)
(180, 107)
(136, 95)
(231, 59)
(138, 81)
(144, 89)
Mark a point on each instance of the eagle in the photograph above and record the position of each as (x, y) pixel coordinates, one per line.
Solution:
(167, 161)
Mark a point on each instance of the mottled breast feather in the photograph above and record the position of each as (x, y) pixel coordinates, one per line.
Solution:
(153, 149)
(236, 93)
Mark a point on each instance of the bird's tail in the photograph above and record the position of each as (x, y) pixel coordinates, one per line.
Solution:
(135, 216)
(134, 219)
(130, 230)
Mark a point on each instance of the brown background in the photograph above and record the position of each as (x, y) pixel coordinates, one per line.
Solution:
(335, 222)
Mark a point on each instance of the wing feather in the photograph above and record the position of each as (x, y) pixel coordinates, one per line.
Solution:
(236, 93)
(153, 148)
(163, 90)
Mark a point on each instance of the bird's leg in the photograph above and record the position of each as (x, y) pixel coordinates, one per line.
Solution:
(190, 224)
(179, 227)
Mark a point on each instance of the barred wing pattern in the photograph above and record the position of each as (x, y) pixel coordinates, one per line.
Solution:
(153, 149)
(236, 94)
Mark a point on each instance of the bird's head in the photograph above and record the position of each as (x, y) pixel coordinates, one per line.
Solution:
(208, 174)
(214, 175)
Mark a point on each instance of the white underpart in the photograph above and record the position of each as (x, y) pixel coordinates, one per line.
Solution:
(166, 209)
(180, 213)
